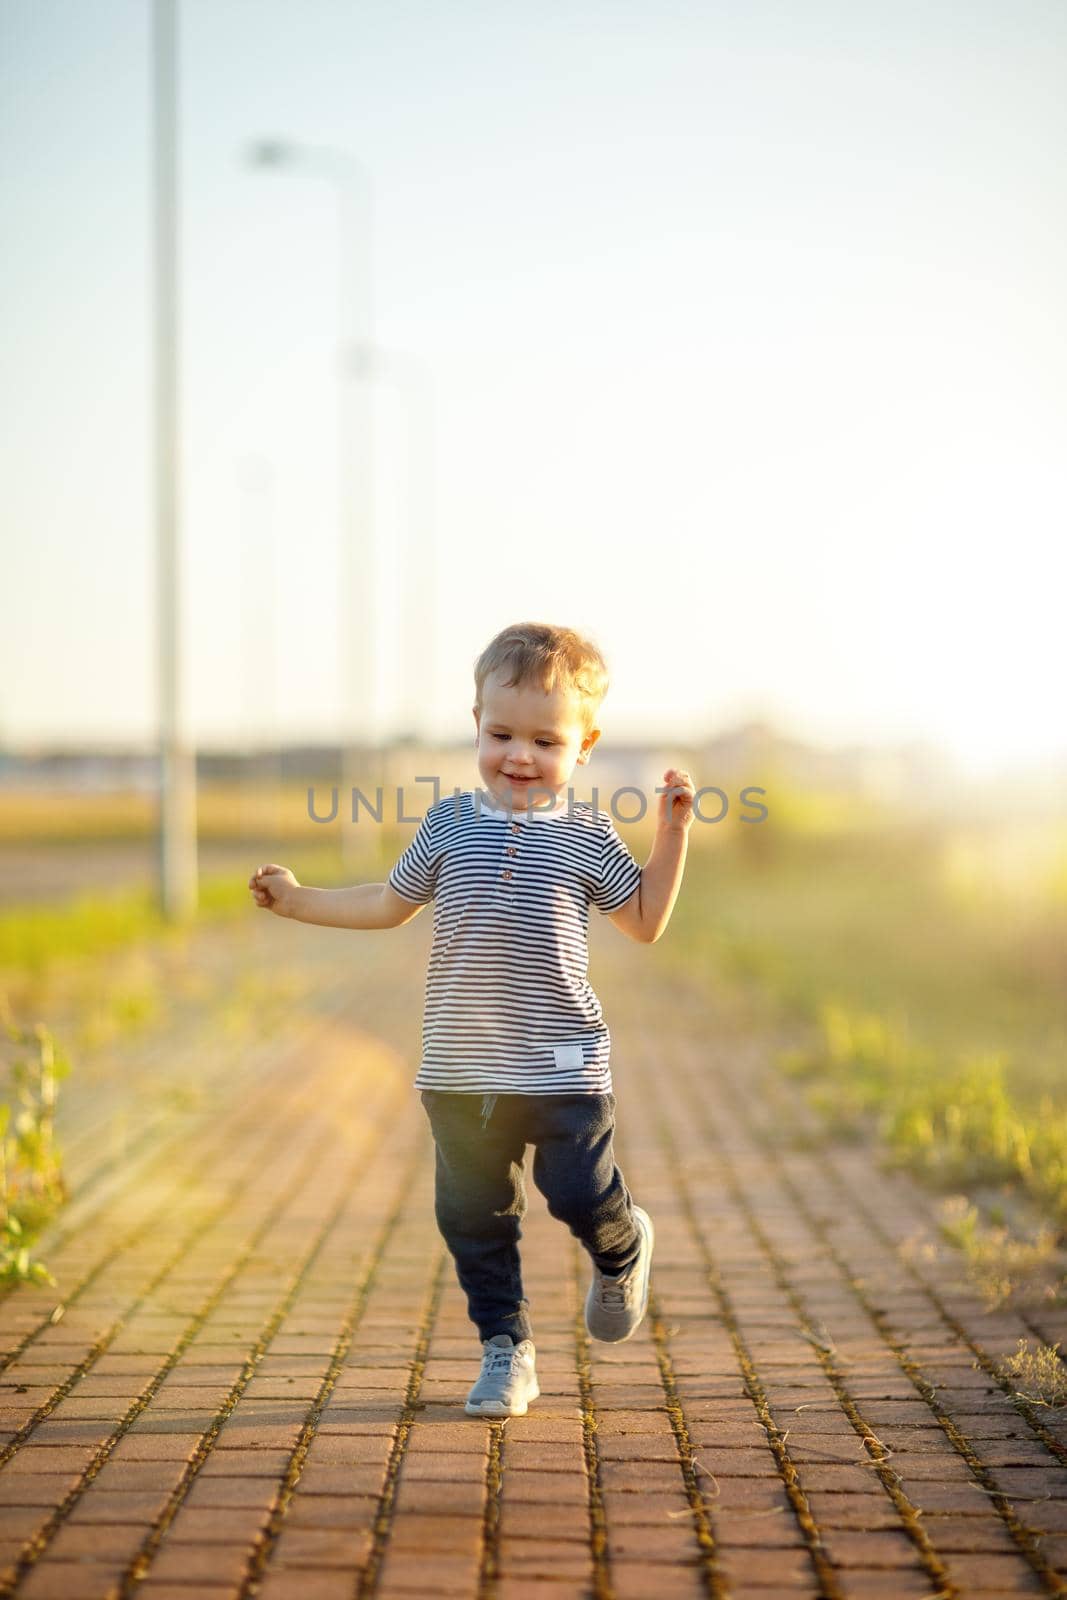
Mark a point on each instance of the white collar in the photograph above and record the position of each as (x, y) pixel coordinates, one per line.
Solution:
(518, 813)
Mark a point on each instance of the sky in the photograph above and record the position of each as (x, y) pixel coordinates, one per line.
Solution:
(732, 336)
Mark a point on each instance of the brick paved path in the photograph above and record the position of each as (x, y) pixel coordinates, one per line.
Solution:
(249, 1379)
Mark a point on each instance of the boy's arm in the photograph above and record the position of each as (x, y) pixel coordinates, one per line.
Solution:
(364, 905)
(647, 912)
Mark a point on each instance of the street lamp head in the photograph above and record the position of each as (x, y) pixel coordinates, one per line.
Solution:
(324, 161)
(269, 153)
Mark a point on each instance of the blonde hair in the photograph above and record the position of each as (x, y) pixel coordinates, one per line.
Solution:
(537, 652)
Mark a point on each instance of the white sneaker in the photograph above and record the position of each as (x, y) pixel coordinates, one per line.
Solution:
(508, 1381)
(615, 1307)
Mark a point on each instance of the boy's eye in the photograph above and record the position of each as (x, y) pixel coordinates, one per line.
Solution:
(548, 742)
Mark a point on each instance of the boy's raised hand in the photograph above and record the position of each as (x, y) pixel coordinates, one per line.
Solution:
(272, 887)
(676, 805)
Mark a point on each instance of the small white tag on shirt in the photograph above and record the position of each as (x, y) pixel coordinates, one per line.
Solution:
(568, 1056)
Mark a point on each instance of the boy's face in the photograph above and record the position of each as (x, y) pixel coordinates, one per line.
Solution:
(528, 738)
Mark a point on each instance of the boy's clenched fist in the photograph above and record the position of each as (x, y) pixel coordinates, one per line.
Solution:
(272, 888)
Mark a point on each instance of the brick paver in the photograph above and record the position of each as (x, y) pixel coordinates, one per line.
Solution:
(250, 1378)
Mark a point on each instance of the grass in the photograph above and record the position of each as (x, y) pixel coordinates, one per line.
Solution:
(107, 958)
(109, 963)
(956, 1122)
(926, 1013)
(870, 923)
(1005, 1269)
(32, 1187)
(102, 951)
(1038, 1375)
(34, 936)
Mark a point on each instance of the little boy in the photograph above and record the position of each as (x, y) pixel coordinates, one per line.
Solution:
(515, 1047)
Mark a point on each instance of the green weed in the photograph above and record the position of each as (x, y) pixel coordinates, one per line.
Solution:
(1038, 1375)
(962, 1129)
(31, 1180)
(1004, 1268)
(955, 1123)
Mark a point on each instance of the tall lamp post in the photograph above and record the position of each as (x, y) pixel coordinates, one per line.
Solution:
(356, 554)
(262, 754)
(410, 378)
(177, 759)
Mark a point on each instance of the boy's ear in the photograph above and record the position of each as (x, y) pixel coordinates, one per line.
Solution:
(587, 744)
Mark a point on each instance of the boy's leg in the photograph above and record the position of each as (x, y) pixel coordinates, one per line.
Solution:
(574, 1168)
(479, 1202)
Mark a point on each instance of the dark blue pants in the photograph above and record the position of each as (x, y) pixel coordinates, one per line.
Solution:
(480, 1198)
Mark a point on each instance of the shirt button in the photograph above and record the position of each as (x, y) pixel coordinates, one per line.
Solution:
(506, 872)
(516, 827)
(512, 850)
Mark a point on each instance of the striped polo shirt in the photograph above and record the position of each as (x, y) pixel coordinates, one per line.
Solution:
(509, 1008)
